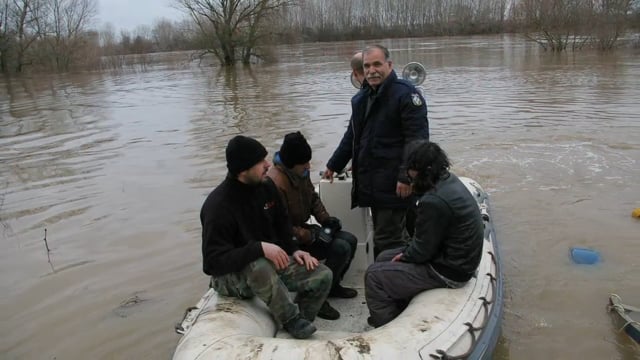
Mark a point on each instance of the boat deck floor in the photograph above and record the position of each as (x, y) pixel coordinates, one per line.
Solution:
(353, 319)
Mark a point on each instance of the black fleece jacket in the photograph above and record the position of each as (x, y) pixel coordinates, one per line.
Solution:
(236, 218)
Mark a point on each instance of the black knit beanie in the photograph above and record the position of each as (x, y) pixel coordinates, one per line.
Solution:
(295, 150)
(242, 153)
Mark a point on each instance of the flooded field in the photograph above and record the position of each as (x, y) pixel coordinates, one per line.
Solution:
(115, 166)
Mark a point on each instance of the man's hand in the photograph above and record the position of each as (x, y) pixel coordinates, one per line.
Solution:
(328, 174)
(396, 258)
(403, 190)
(278, 257)
(304, 258)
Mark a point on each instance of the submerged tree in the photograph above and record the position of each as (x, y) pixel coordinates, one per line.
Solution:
(65, 27)
(551, 23)
(19, 30)
(46, 33)
(610, 21)
(561, 24)
(5, 35)
(232, 29)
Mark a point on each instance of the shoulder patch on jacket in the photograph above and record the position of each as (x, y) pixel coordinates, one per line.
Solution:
(415, 98)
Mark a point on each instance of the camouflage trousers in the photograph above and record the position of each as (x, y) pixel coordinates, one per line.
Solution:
(260, 278)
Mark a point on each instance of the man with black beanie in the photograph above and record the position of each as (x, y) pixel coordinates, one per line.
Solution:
(290, 173)
(248, 247)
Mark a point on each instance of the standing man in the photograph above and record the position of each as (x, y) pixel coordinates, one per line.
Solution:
(290, 173)
(387, 114)
(446, 248)
(248, 247)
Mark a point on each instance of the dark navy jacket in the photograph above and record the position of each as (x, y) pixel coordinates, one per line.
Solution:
(376, 141)
(236, 218)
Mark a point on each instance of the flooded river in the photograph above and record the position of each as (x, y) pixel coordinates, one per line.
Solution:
(112, 168)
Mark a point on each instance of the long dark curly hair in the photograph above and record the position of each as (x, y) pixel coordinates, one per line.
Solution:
(431, 163)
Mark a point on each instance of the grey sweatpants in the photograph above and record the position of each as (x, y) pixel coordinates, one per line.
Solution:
(389, 286)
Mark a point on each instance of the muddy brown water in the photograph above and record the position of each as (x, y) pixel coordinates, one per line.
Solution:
(115, 167)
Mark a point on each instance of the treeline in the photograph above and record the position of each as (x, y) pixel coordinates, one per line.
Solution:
(124, 48)
(50, 34)
(554, 24)
(327, 20)
(56, 35)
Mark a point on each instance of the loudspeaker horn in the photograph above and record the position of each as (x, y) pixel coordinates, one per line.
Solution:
(415, 73)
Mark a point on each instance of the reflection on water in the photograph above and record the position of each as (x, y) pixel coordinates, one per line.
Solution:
(115, 167)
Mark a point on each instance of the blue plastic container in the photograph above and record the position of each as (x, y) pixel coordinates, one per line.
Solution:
(584, 256)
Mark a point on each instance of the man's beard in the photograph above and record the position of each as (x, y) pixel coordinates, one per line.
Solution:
(256, 180)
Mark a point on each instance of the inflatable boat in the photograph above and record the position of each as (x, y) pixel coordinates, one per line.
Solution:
(627, 317)
(459, 323)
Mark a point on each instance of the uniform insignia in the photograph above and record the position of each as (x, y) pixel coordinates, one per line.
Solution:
(415, 98)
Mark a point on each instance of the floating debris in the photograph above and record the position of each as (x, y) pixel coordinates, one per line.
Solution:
(584, 256)
(124, 309)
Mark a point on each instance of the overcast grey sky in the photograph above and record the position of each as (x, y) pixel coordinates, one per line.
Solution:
(127, 14)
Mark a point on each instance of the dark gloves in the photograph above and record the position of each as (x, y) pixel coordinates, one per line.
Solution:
(333, 223)
(323, 234)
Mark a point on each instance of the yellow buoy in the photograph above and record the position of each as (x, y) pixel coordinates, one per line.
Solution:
(636, 213)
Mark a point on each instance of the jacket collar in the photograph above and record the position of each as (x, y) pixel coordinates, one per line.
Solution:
(294, 178)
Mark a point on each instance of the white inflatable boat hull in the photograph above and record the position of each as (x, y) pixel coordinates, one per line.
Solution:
(437, 324)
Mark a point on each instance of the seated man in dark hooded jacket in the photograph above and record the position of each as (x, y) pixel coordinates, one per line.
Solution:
(446, 247)
(290, 173)
(247, 244)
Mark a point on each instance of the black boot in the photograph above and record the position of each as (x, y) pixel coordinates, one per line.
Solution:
(299, 328)
(342, 292)
(371, 322)
(328, 312)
